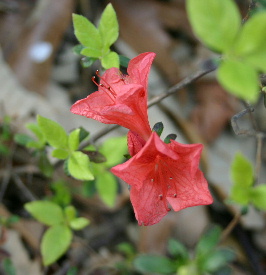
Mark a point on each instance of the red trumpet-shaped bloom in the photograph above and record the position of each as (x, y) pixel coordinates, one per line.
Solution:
(161, 175)
(121, 99)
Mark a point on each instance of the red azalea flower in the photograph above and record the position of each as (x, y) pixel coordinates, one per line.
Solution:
(162, 174)
(121, 99)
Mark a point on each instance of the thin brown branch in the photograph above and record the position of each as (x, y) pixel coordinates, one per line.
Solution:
(183, 83)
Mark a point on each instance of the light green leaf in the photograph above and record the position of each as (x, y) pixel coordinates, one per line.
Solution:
(216, 23)
(110, 60)
(73, 140)
(106, 186)
(70, 212)
(114, 149)
(240, 79)
(60, 153)
(37, 131)
(154, 264)
(252, 37)
(257, 59)
(240, 194)
(53, 132)
(87, 34)
(79, 223)
(241, 171)
(108, 26)
(79, 166)
(258, 196)
(55, 243)
(45, 212)
(96, 53)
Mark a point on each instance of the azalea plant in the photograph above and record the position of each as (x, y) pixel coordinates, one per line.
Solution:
(161, 175)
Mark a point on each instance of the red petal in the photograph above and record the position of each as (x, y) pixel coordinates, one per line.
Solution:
(139, 68)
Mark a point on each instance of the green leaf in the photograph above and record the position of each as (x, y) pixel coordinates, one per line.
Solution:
(258, 196)
(60, 153)
(54, 133)
(252, 37)
(44, 164)
(79, 223)
(87, 61)
(208, 241)
(110, 60)
(70, 213)
(87, 34)
(37, 131)
(216, 23)
(216, 260)
(8, 267)
(45, 212)
(114, 149)
(83, 134)
(241, 171)
(108, 26)
(77, 49)
(240, 194)
(178, 250)
(123, 60)
(154, 264)
(127, 249)
(79, 166)
(251, 42)
(89, 52)
(106, 186)
(22, 139)
(55, 243)
(62, 194)
(73, 140)
(240, 79)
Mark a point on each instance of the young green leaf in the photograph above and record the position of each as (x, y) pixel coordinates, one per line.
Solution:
(107, 187)
(241, 171)
(79, 166)
(108, 26)
(70, 212)
(252, 37)
(93, 53)
(114, 149)
(154, 264)
(60, 153)
(87, 34)
(216, 23)
(110, 60)
(240, 194)
(45, 212)
(73, 140)
(258, 195)
(79, 223)
(55, 243)
(53, 132)
(240, 79)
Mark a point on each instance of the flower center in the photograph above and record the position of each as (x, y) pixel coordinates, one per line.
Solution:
(111, 93)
